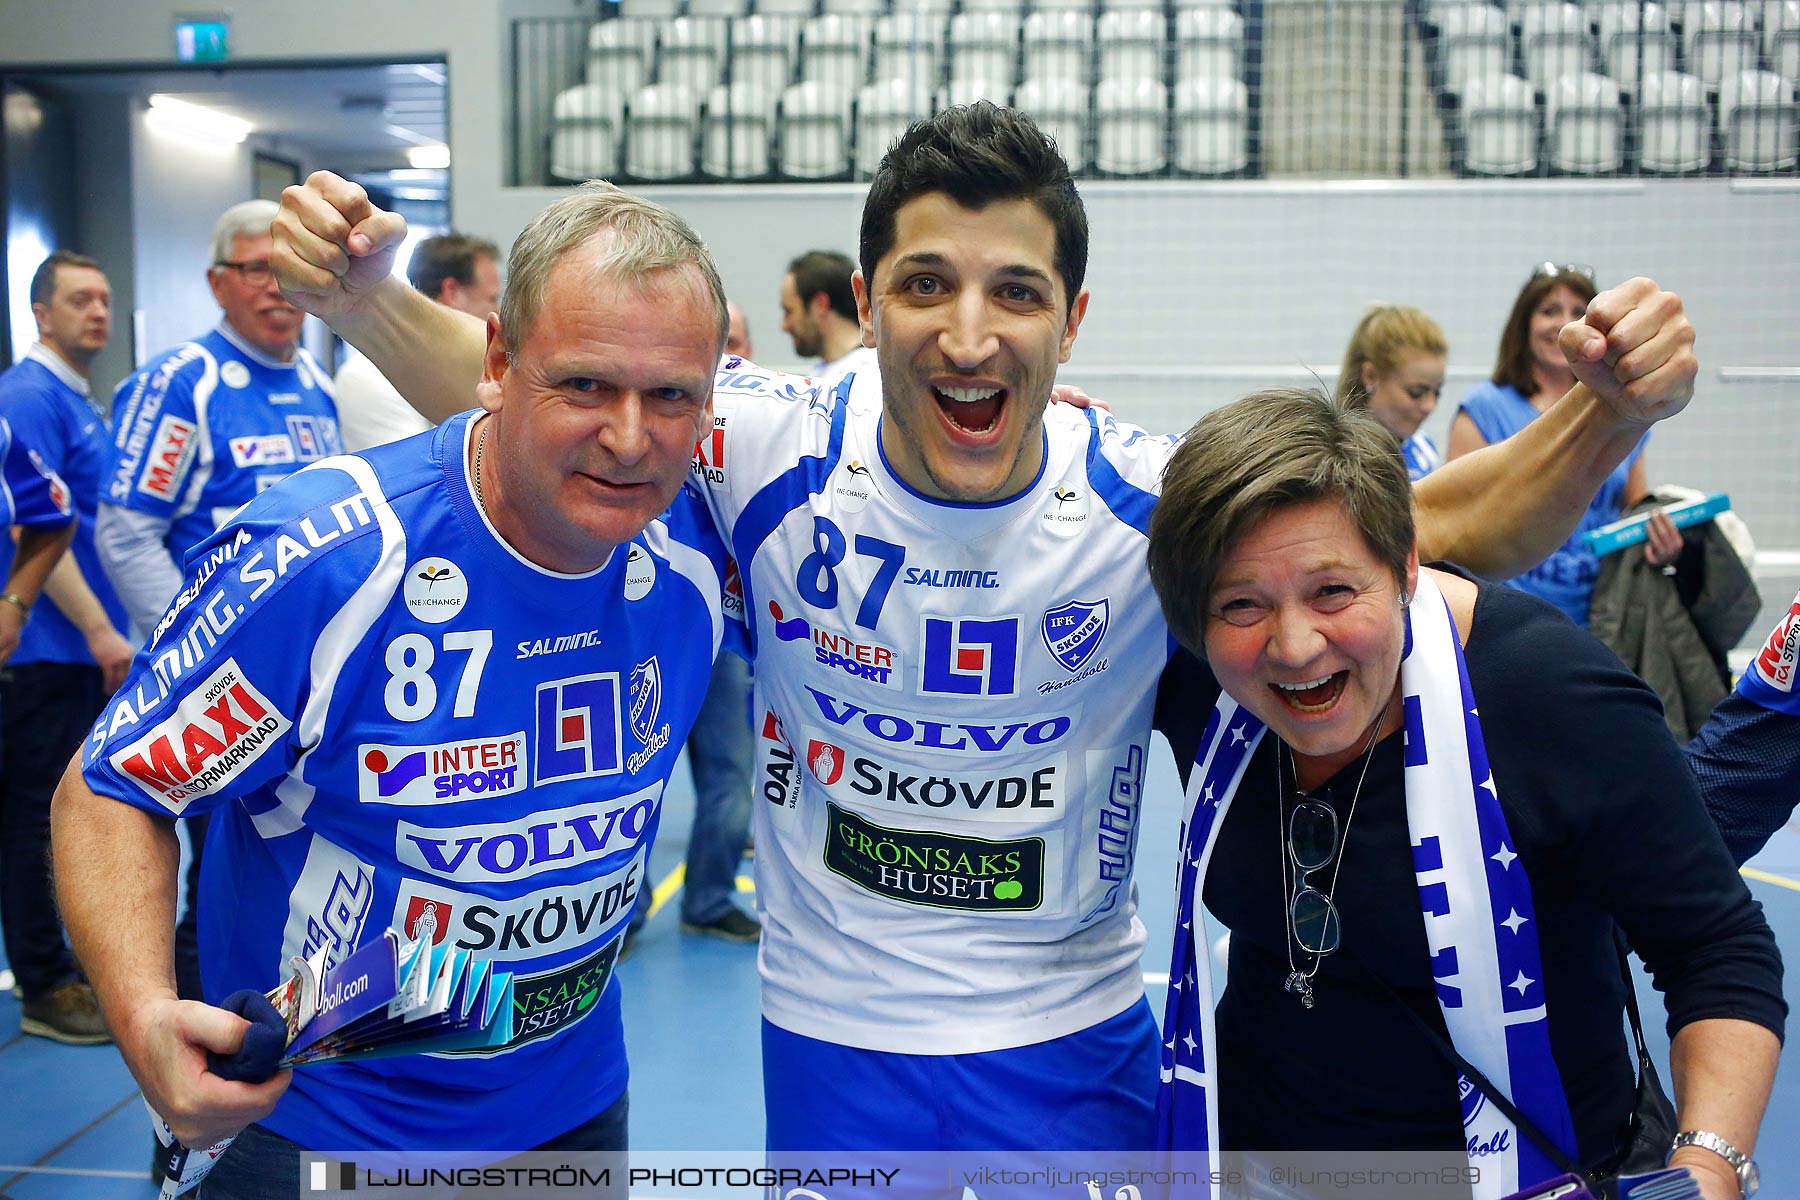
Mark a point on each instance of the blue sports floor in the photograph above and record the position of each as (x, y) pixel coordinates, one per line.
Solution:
(71, 1123)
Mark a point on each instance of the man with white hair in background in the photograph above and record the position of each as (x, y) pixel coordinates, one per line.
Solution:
(455, 269)
(198, 431)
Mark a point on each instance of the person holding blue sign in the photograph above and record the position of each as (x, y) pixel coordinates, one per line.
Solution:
(1469, 798)
(1530, 375)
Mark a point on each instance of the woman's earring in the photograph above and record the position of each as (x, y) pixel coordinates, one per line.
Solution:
(1405, 599)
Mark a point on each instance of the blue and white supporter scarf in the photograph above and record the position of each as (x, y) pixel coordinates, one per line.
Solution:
(1479, 920)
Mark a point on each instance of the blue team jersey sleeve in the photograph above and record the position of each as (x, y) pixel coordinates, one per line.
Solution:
(690, 523)
(41, 421)
(1125, 465)
(1772, 680)
(156, 431)
(35, 495)
(213, 708)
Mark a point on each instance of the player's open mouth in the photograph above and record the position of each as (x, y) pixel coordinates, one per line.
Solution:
(1312, 695)
(971, 409)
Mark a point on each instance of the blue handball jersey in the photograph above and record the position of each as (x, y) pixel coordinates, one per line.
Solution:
(49, 408)
(397, 721)
(1773, 678)
(1421, 455)
(30, 492)
(199, 431)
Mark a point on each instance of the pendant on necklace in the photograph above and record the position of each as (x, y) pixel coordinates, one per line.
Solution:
(1299, 983)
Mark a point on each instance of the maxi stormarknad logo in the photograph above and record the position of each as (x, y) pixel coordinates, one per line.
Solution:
(942, 870)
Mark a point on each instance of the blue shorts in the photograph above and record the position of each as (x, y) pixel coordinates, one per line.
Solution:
(1092, 1090)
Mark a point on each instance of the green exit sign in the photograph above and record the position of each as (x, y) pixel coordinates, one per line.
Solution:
(200, 40)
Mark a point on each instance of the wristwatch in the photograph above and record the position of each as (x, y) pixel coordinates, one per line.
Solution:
(1745, 1166)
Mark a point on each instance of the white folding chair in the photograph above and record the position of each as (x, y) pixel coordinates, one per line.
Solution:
(1555, 42)
(585, 125)
(1757, 122)
(1061, 108)
(1719, 40)
(1130, 119)
(884, 109)
(1586, 120)
(616, 56)
(1476, 44)
(1625, 29)
(762, 52)
(1015, 7)
(692, 54)
(834, 49)
(1211, 115)
(1209, 44)
(1058, 45)
(906, 48)
(1132, 44)
(1674, 124)
(717, 8)
(1781, 37)
(659, 132)
(652, 10)
(1500, 125)
(736, 130)
(813, 131)
(983, 45)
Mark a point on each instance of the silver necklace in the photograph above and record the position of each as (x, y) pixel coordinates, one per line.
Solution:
(1298, 981)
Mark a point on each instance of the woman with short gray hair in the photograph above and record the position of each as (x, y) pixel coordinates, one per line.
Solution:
(1469, 797)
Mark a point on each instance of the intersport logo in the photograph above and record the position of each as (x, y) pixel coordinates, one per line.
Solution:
(448, 771)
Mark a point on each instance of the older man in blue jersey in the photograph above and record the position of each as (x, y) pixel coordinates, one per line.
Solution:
(437, 686)
(956, 640)
(200, 430)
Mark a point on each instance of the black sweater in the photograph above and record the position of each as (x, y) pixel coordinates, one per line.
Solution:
(1608, 824)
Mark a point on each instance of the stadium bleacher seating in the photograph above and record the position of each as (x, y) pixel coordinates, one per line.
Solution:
(817, 89)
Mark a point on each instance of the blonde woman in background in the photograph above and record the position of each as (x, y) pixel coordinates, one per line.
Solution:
(1394, 367)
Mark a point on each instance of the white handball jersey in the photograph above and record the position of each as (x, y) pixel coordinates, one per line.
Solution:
(953, 709)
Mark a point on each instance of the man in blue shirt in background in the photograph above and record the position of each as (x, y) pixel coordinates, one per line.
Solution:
(72, 651)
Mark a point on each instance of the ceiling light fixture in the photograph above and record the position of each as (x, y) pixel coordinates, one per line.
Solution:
(196, 122)
(432, 156)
